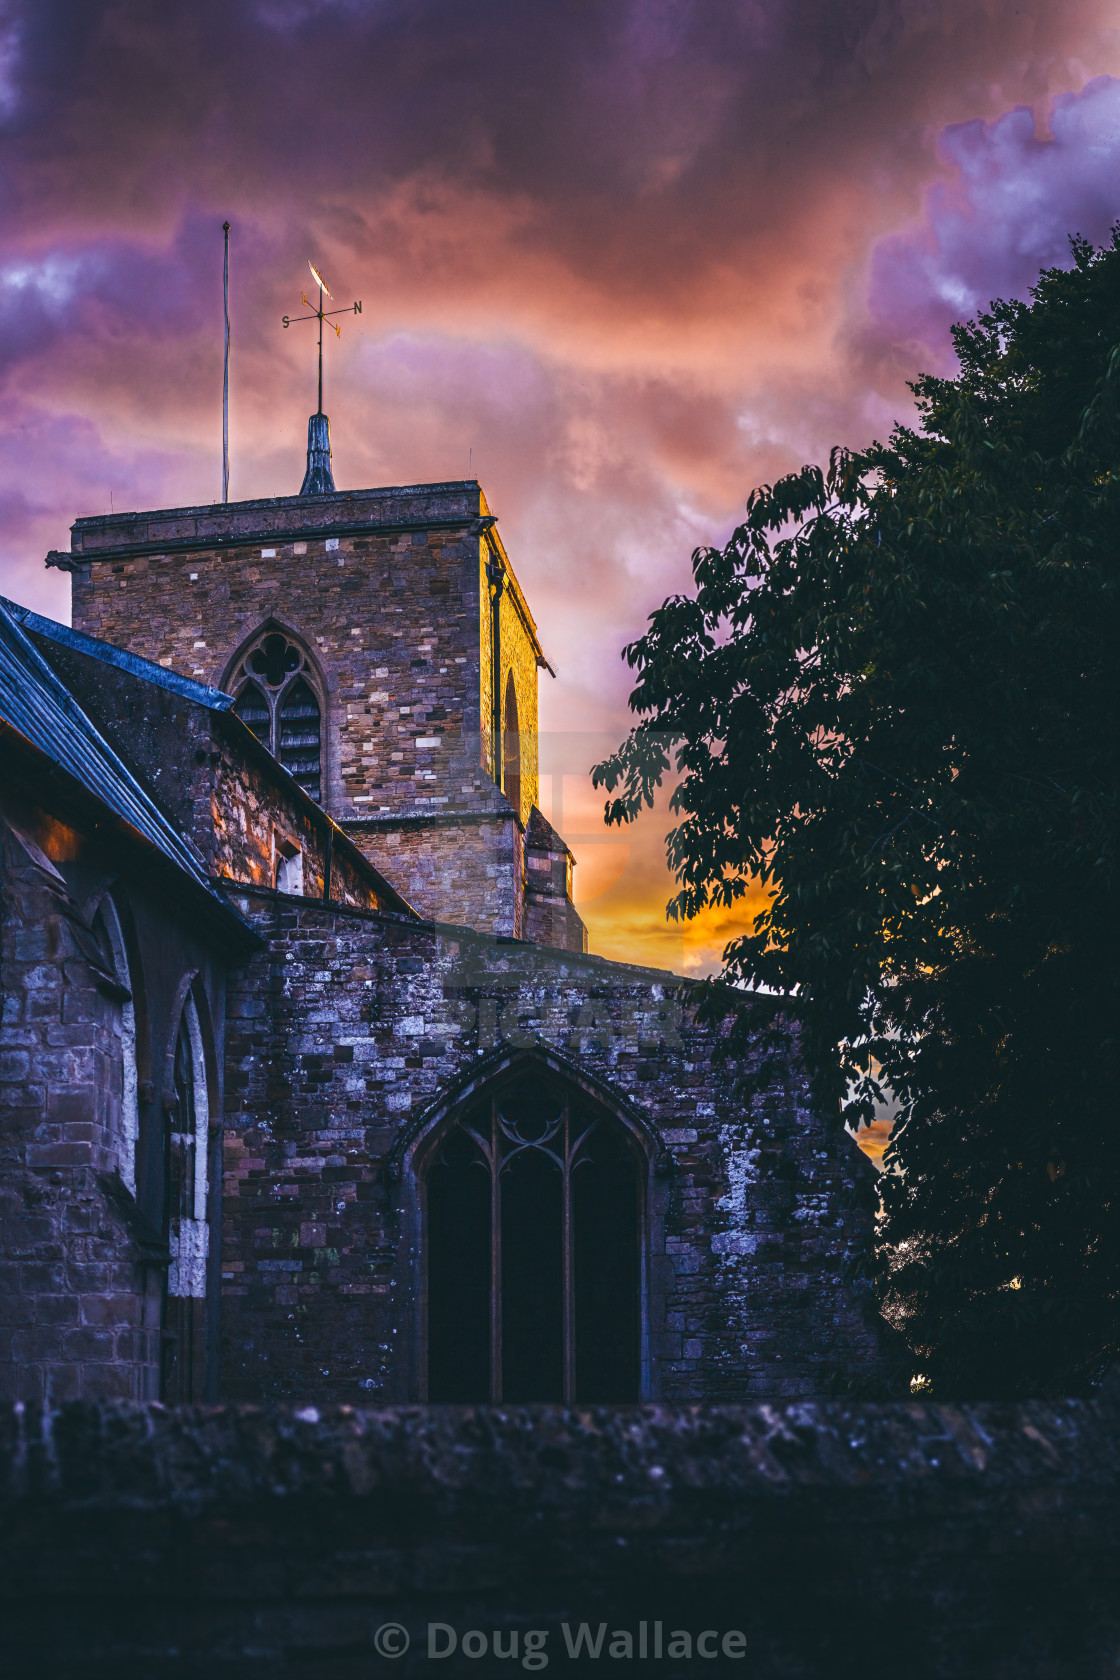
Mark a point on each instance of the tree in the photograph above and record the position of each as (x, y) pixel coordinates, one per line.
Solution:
(892, 698)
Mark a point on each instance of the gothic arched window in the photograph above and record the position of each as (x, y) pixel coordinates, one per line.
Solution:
(533, 1213)
(511, 748)
(185, 1213)
(276, 698)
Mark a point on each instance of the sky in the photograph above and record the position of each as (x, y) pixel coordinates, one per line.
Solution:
(620, 259)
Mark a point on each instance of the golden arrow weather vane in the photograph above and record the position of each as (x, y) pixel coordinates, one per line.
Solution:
(320, 315)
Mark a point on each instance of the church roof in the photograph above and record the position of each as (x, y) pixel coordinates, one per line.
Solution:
(37, 707)
(201, 693)
(541, 836)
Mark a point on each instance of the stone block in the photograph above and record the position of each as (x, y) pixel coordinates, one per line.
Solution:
(36, 1342)
(84, 1345)
(57, 1309)
(109, 1309)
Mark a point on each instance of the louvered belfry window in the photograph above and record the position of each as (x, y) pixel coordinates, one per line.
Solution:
(277, 700)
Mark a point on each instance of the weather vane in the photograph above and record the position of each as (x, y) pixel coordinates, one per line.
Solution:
(318, 479)
(321, 315)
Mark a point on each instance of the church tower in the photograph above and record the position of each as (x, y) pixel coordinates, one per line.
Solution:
(379, 643)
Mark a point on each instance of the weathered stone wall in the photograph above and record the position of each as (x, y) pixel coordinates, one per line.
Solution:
(83, 1248)
(380, 609)
(517, 648)
(77, 1313)
(550, 916)
(388, 619)
(254, 814)
(816, 1541)
(390, 616)
(465, 869)
(355, 1027)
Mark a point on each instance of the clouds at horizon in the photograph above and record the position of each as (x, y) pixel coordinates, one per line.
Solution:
(636, 255)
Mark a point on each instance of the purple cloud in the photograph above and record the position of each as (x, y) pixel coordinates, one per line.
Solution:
(1012, 200)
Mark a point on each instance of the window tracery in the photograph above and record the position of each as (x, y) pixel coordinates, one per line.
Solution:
(533, 1248)
(277, 698)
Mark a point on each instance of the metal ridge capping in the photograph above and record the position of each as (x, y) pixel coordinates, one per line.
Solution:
(212, 698)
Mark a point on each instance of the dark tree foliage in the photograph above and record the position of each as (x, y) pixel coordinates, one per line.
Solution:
(893, 699)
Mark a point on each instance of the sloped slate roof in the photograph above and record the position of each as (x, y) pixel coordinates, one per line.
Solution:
(541, 836)
(201, 693)
(36, 705)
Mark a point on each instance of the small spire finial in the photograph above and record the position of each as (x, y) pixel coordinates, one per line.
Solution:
(318, 480)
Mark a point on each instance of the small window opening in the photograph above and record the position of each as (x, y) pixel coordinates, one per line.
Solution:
(252, 708)
(276, 699)
(289, 868)
(299, 736)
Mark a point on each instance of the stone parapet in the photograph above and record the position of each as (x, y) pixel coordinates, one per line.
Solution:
(840, 1542)
(164, 530)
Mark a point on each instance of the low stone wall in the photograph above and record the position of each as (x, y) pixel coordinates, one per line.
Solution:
(822, 1541)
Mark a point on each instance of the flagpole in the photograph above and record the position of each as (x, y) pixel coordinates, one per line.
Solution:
(225, 377)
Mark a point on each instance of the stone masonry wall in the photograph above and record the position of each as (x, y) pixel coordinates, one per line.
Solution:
(550, 916)
(388, 619)
(519, 657)
(253, 815)
(518, 653)
(454, 869)
(354, 1027)
(79, 1302)
(822, 1541)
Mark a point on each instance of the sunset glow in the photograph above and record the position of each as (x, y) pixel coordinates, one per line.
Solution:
(620, 261)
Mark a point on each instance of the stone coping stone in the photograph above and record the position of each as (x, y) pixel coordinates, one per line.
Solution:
(457, 501)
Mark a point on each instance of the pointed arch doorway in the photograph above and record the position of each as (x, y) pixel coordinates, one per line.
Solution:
(533, 1215)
